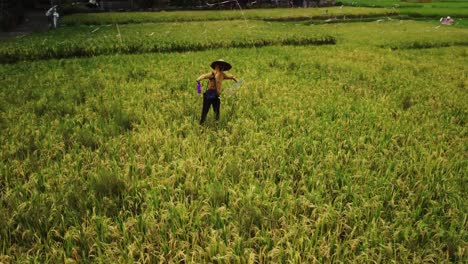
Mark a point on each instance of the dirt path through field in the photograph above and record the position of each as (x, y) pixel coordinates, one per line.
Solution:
(35, 21)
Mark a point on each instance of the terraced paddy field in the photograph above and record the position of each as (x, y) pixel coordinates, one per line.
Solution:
(348, 150)
(277, 14)
(418, 8)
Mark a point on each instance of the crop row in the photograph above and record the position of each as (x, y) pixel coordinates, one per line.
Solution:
(86, 41)
(279, 14)
(455, 12)
(76, 50)
(408, 3)
(456, 9)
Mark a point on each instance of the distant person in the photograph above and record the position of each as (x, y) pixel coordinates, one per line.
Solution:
(215, 80)
(93, 4)
(52, 16)
(446, 20)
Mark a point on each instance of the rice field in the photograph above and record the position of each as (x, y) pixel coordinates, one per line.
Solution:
(277, 14)
(87, 41)
(350, 152)
(424, 8)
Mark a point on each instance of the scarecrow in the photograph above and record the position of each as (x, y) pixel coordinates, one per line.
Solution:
(52, 16)
(213, 90)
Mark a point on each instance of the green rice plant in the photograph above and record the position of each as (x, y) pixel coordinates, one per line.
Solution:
(163, 37)
(281, 14)
(437, 9)
(437, 12)
(174, 37)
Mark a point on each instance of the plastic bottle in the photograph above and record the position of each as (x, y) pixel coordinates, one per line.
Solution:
(199, 88)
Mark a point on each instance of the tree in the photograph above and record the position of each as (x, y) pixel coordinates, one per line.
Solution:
(147, 3)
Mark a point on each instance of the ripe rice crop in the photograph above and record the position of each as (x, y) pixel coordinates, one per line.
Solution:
(325, 154)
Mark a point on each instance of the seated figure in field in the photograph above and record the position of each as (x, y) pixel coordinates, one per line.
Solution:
(446, 20)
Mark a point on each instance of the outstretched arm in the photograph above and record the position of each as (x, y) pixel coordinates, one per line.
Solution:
(204, 76)
(230, 77)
